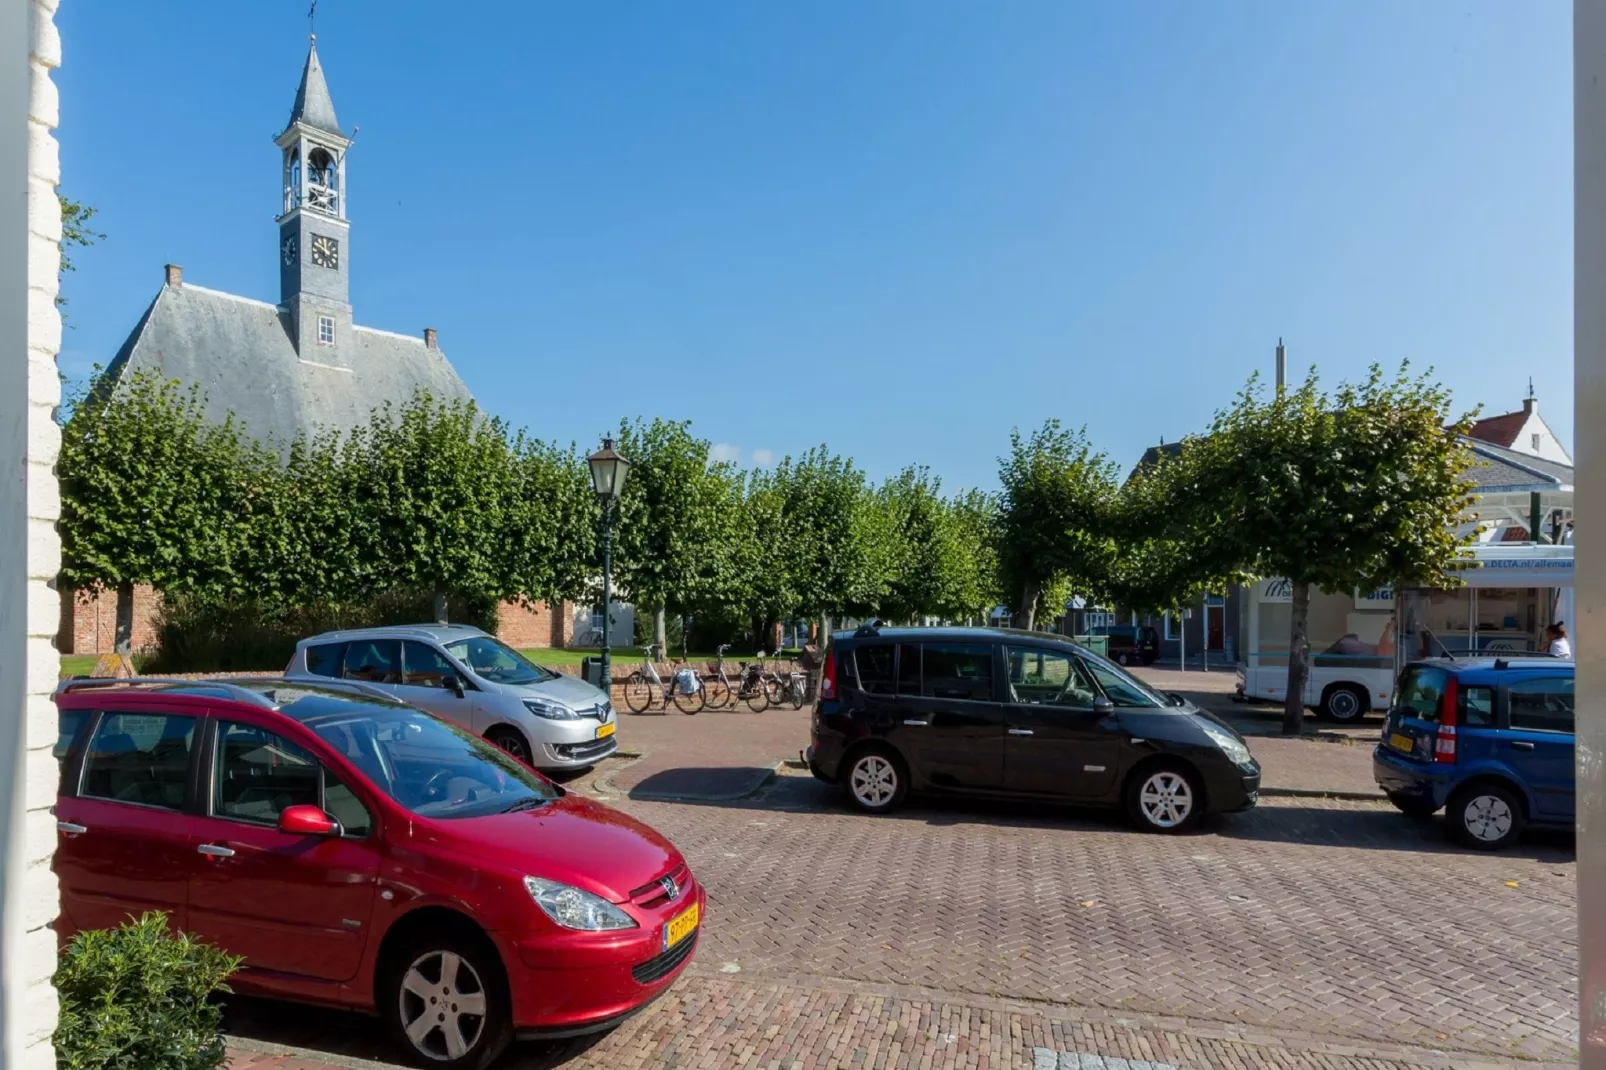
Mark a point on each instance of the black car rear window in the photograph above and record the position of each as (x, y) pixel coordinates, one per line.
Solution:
(873, 668)
(1419, 692)
(957, 671)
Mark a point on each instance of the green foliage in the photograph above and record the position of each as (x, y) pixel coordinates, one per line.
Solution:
(1056, 515)
(252, 635)
(940, 551)
(675, 537)
(137, 998)
(75, 233)
(833, 543)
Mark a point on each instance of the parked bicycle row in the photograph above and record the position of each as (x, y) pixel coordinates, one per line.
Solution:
(755, 684)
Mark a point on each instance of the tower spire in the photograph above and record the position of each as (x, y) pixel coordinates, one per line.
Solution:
(314, 107)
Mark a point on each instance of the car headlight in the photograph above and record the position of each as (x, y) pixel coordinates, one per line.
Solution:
(574, 909)
(552, 711)
(1233, 748)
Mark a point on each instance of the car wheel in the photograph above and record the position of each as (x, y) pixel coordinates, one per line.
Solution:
(1411, 805)
(512, 741)
(876, 781)
(1122, 659)
(1486, 816)
(1344, 704)
(1165, 798)
(445, 1003)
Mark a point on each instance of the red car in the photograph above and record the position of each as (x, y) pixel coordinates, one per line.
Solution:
(360, 853)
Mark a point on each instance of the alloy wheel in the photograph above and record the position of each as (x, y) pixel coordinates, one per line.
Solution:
(874, 781)
(513, 745)
(1166, 799)
(443, 1005)
(1488, 818)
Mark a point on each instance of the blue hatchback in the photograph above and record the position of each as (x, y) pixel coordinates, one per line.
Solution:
(1490, 740)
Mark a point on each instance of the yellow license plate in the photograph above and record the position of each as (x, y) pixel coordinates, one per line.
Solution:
(605, 730)
(680, 926)
(1400, 741)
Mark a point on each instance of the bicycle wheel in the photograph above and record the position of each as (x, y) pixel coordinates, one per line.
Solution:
(716, 693)
(758, 697)
(638, 693)
(776, 687)
(798, 697)
(690, 701)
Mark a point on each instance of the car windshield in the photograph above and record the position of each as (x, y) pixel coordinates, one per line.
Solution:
(494, 660)
(1122, 688)
(430, 767)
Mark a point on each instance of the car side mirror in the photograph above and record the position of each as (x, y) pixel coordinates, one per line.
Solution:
(307, 821)
(1103, 707)
(1175, 699)
(453, 683)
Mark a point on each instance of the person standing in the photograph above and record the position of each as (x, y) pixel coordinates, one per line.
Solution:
(1558, 646)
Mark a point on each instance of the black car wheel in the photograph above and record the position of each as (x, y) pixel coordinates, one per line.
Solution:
(1344, 703)
(1165, 797)
(1485, 816)
(876, 780)
(1123, 658)
(512, 741)
(445, 1004)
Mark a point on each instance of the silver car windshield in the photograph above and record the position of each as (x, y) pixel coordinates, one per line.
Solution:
(493, 660)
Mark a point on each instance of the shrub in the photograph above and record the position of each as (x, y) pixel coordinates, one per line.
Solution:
(201, 635)
(137, 998)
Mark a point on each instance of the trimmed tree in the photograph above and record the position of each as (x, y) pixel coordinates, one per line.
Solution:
(1340, 492)
(1056, 510)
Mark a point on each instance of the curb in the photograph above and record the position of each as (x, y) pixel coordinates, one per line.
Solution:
(1322, 793)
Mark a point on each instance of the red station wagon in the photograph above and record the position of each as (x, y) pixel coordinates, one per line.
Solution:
(360, 853)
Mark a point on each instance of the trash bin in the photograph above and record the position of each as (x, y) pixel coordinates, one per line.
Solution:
(591, 671)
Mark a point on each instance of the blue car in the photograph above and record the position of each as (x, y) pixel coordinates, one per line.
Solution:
(1490, 740)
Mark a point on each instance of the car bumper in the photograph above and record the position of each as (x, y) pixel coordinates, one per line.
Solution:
(1233, 789)
(1399, 775)
(571, 983)
(578, 755)
(824, 758)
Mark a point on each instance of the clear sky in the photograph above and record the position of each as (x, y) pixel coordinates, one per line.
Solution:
(900, 227)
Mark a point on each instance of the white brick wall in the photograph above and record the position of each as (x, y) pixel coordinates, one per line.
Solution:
(29, 505)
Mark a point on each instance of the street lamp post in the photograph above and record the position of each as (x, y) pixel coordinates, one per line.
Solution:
(608, 471)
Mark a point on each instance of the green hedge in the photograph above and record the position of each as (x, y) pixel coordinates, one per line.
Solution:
(199, 635)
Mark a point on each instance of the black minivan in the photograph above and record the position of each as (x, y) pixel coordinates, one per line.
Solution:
(996, 712)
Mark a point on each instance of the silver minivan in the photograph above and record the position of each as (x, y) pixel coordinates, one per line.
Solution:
(461, 674)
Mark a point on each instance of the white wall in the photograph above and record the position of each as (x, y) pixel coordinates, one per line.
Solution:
(1589, 581)
(30, 334)
(1548, 445)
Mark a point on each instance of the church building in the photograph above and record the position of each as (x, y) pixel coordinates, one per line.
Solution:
(296, 366)
(299, 365)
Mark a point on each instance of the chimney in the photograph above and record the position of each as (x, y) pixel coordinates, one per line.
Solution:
(429, 338)
(1530, 405)
(175, 276)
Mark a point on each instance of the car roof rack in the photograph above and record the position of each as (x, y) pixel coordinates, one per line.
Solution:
(1501, 664)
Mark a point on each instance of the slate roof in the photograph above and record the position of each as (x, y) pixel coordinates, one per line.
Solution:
(241, 354)
(1498, 470)
(313, 105)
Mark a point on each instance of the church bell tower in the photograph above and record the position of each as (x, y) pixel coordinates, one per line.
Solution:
(314, 233)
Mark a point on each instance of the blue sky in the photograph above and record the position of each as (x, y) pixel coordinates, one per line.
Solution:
(901, 227)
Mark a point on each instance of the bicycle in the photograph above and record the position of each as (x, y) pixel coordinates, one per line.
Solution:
(749, 686)
(683, 687)
(791, 685)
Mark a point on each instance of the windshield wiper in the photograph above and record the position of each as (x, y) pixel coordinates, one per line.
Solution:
(526, 804)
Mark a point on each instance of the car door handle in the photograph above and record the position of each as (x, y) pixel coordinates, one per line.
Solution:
(1020, 731)
(212, 850)
(1521, 744)
(71, 828)
(918, 724)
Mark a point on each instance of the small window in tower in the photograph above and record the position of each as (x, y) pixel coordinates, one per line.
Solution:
(1536, 440)
(326, 330)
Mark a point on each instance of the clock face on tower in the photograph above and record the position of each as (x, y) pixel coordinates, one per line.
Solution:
(289, 249)
(325, 251)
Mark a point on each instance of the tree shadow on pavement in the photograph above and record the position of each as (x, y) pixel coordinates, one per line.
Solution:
(705, 784)
(1312, 822)
(358, 1039)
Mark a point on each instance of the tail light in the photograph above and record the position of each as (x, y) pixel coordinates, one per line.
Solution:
(1444, 740)
(828, 676)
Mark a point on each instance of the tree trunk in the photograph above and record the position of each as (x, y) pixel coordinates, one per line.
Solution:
(660, 630)
(1031, 591)
(440, 602)
(1298, 661)
(123, 637)
(825, 624)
